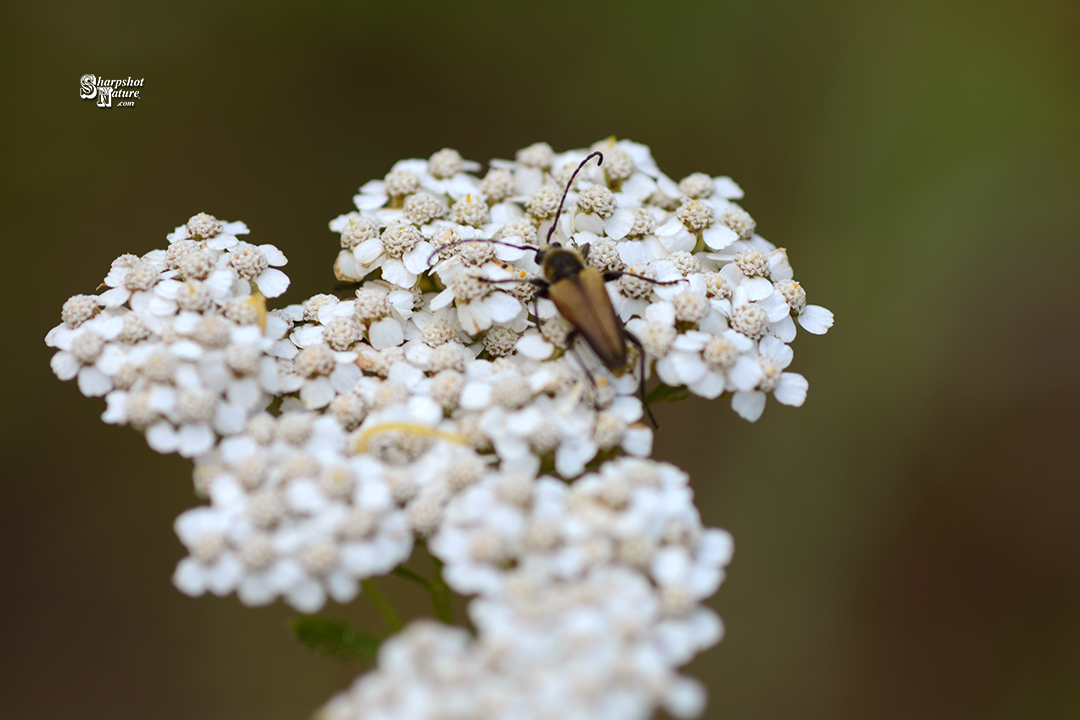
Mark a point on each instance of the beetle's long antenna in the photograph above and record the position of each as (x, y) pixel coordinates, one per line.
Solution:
(486, 240)
(558, 212)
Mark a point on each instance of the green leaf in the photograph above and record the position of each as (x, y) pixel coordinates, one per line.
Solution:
(335, 638)
(666, 393)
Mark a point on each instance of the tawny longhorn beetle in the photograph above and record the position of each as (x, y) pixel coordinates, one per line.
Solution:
(578, 291)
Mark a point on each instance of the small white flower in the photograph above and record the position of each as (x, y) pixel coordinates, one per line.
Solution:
(258, 264)
(788, 388)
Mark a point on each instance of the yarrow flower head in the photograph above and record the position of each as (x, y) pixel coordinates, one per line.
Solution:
(480, 390)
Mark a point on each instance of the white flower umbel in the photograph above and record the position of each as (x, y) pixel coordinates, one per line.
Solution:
(291, 515)
(446, 400)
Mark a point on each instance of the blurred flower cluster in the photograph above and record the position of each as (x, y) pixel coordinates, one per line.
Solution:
(444, 401)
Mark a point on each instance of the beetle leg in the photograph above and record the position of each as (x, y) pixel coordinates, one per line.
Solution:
(616, 274)
(538, 282)
(541, 291)
(641, 388)
(570, 338)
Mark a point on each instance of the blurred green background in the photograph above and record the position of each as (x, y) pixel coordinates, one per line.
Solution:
(908, 542)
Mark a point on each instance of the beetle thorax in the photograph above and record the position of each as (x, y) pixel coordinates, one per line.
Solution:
(560, 262)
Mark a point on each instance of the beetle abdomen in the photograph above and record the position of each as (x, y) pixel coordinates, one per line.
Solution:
(582, 299)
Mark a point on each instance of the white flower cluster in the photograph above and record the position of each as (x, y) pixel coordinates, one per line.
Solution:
(446, 401)
(587, 600)
(721, 324)
(178, 343)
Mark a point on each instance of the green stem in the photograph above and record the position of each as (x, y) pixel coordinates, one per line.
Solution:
(440, 595)
(407, 574)
(437, 589)
(382, 605)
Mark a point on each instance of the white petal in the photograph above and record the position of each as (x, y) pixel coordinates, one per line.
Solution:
(533, 345)
(745, 374)
(791, 390)
(272, 282)
(342, 221)
(308, 335)
(668, 186)
(816, 319)
(234, 450)
(223, 576)
(401, 302)
(475, 395)
(672, 227)
(394, 271)
(347, 268)
(162, 398)
(194, 440)
(368, 251)
(727, 188)
(345, 376)
(670, 565)
(619, 223)
(371, 201)
(502, 307)
(442, 300)
(229, 419)
(317, 393)
(254, 591)
(689, 367)
(189, 577)
(59, 337)
(774, 348)
(718, 236)
(691, 341)
(273, 256)
(775, 306)
(168, 289)
(386, 333)
(186, 349)
(64, 365)
(634, 252)
(162, 438)
(784, 329)
(638, 441)
(116, 408)
(307, 597)
(667, 371)
(115, 297)
(589, 222)
(572, 456)
(111, 360)
(419, 354)
(748, 405)
(684, 240)
(225, 240)
(757, 288)
(283, 349)
(342, 587)
(268, 375)
(779, 265)
(716, 547)
(93, 382)
(709, 386)
(638, 186)
(684, 698)
(661, 313)
(220, 284)
(511, 254)
(416, 260)
(474, 317)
